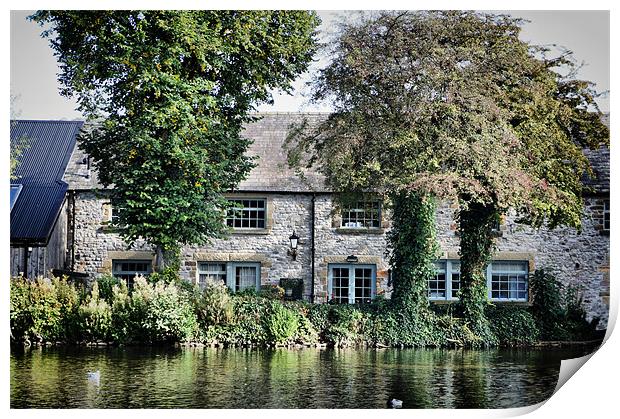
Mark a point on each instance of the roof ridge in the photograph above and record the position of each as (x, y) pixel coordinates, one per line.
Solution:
(49, 120)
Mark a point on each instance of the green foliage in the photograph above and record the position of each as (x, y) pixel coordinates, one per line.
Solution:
(412, 249)
(172, 90)
(43, 310)
(159, 313)
(95, 317)
(214, 306)
(513, 325)
(547, 305)
(17, 148)
(453, 104)
(50, 310)
(122, 314)
(106, 283)
(282, 324)
(345, 327)
(475, 227)
(559, 311)
(577, 326)
(271, 291)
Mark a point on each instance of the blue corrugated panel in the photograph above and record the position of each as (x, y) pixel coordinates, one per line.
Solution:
(47, 147)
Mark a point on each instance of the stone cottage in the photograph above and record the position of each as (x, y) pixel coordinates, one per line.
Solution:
(340, 254)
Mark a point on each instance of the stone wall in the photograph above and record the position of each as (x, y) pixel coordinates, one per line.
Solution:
(579, 258)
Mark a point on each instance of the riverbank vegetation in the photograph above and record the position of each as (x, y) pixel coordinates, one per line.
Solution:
(51, 311)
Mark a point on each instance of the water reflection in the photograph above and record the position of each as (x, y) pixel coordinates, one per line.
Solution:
(281, 378)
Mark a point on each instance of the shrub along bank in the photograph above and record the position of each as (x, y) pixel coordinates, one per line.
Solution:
(53, 310)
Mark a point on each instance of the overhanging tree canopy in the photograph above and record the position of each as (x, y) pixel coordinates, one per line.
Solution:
(172, 90)
(454, 105)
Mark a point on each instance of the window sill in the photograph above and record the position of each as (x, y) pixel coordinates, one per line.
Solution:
(250, 231)
(360, 230)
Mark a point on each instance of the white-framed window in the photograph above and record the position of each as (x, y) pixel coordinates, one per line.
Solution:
(506, 280)
(351, 283)
(15, 190)
(238, 276)
(447, 281)
(606, 215)
(248, 213)
(211, 273)
(362, 214)
(126, 270)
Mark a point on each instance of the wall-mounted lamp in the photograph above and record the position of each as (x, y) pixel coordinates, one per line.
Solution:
(294, 239)
(351, 258)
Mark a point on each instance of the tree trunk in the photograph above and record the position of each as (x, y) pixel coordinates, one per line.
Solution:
(413, 248)
(477, 243)
(168, 260)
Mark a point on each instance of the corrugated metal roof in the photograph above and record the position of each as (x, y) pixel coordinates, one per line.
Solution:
(47, 147)
(34, 215)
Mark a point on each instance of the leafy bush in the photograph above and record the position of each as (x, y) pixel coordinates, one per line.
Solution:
(547, 306)
(95, 317)
(513, 325)
(559, 311)
(42, 310)
(105, 283)
(50, 310)
(345, 325)
(214, 305)
(122, 315)
(160, 314)
(576, 324)
(271, 291)
(282, 324)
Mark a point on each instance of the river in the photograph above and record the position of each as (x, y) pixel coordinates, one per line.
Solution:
(144, 377)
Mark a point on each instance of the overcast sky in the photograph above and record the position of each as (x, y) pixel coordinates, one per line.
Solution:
(33, 67)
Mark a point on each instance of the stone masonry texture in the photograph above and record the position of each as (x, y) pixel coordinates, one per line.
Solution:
(579, 258)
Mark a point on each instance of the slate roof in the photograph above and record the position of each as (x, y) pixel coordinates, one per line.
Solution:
(48, 145)
(272, 173)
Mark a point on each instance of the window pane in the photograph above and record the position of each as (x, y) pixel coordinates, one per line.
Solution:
(211, 273)
(437, 285)
(127, 270)
(606, 216)
(509, 280)
(245, 278)
(250, 213)
(363, 214)
(363, 285)
(340, 285)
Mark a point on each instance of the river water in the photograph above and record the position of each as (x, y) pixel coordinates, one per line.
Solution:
(282, 378)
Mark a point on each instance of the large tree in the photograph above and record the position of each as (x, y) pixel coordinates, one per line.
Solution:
(454, 105)
(170, 91)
